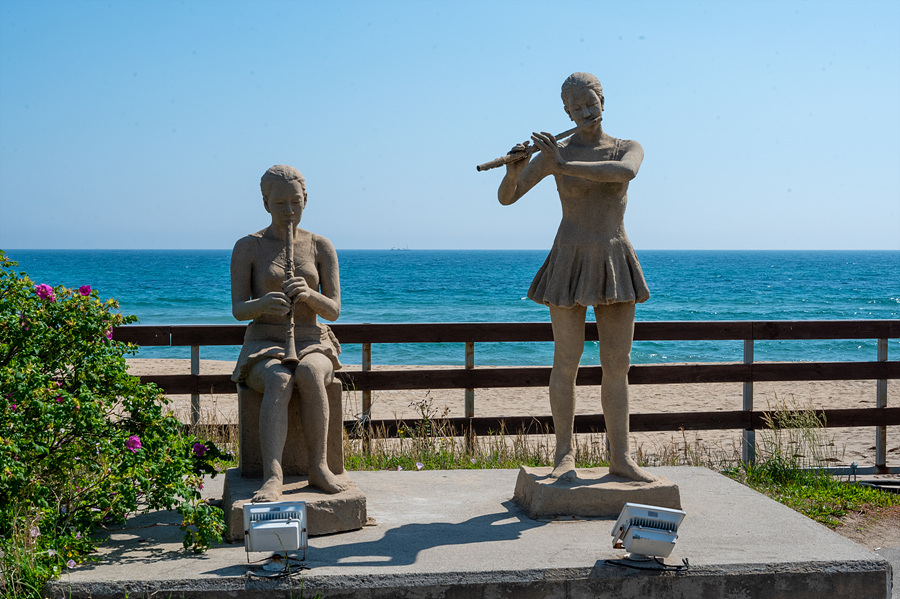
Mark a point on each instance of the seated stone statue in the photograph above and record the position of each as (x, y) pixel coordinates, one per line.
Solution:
(280, 275)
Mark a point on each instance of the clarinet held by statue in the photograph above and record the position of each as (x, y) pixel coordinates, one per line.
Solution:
(290, 350)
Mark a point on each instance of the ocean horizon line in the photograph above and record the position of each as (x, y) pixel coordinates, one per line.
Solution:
(408, 249)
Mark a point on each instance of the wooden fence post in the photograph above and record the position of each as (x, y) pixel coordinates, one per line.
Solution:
(195, 397)
(367, 398)
(748, 439)
(881, 402)
(470, 394)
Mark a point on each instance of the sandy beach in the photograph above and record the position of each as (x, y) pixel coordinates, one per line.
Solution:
(850, 445)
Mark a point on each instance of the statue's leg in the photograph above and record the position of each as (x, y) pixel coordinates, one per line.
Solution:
(273, 380)
(312, 374)
(615, 326)
(568, 345)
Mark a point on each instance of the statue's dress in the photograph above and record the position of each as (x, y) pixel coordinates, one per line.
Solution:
(264, 341)
(592, 261)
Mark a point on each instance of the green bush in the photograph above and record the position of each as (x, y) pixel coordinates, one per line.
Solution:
(82, 443)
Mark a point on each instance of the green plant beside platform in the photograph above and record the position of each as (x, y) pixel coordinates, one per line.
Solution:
(792, 453)
(814, 493)
(82, 443)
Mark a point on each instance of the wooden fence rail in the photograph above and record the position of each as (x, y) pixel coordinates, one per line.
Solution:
(471, 378)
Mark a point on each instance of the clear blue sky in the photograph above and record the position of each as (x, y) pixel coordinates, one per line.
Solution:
(765, 125)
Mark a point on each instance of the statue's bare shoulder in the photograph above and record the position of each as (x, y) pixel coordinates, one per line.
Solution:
(630, 145)
(631, 154)
(247, 245)
(323, 244)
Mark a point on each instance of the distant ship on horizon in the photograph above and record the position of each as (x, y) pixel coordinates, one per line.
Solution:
(403, 249)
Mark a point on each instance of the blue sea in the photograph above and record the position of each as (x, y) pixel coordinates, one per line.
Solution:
(384, 286)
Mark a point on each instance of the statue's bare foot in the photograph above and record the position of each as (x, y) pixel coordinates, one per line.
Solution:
(626, 468)
(323, 478)
(270, 491)
(564, 466)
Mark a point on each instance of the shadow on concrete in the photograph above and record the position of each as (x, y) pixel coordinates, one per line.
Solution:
(401, 546)
(152, 538)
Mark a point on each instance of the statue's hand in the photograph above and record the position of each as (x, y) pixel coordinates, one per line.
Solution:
(297, 289)
(275, 303)
(514, 168)
(547, 144)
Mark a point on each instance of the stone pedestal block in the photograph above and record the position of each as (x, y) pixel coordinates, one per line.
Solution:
(294, 459)
(593, 493)
(325, 513)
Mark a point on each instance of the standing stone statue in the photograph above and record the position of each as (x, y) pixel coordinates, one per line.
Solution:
(591, 263)
(282, 278)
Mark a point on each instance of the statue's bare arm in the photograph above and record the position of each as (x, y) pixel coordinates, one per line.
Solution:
(605, 171)
(617, 171)
(243, 305)
(520, 177)
(326, 302)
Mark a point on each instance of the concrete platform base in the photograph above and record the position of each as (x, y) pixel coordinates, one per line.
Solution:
(453, 534)
(325, 513)
(594, 492)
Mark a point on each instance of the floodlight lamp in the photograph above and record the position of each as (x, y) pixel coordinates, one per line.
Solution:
(646, 531)
(275, 526)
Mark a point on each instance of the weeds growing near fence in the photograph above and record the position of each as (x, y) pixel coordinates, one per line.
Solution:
(430, 442)
(791, 457)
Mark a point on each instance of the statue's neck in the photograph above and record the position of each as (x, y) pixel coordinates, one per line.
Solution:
(589, 137)
(277, 232)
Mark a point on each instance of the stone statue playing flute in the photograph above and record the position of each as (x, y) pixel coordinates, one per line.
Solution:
(592, 263)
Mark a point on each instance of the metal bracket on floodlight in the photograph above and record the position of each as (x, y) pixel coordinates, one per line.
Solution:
(275, 526)
(646, 531)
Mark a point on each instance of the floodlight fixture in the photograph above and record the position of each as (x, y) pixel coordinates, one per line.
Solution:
(275, 526)
(646, 531)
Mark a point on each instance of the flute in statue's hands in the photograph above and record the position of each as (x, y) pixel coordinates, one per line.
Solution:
(524, 150)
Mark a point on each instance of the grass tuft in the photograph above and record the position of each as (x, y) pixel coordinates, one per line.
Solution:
(790, 466)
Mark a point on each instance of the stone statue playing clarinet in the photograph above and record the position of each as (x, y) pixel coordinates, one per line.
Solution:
(282, 279)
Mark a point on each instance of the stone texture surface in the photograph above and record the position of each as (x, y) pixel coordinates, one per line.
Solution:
(294, 460)
(593, 493)
(326, 513)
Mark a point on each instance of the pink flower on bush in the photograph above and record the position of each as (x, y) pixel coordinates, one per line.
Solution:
(59, 399)
(44, 291)
(199, 449)
(109, 333)
(84, 290)
(133, 443)
(70, 563)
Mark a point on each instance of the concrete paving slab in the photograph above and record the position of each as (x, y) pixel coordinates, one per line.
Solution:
(448, 534)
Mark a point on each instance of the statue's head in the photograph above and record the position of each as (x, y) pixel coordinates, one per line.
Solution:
(279, 175)
(578, 90)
